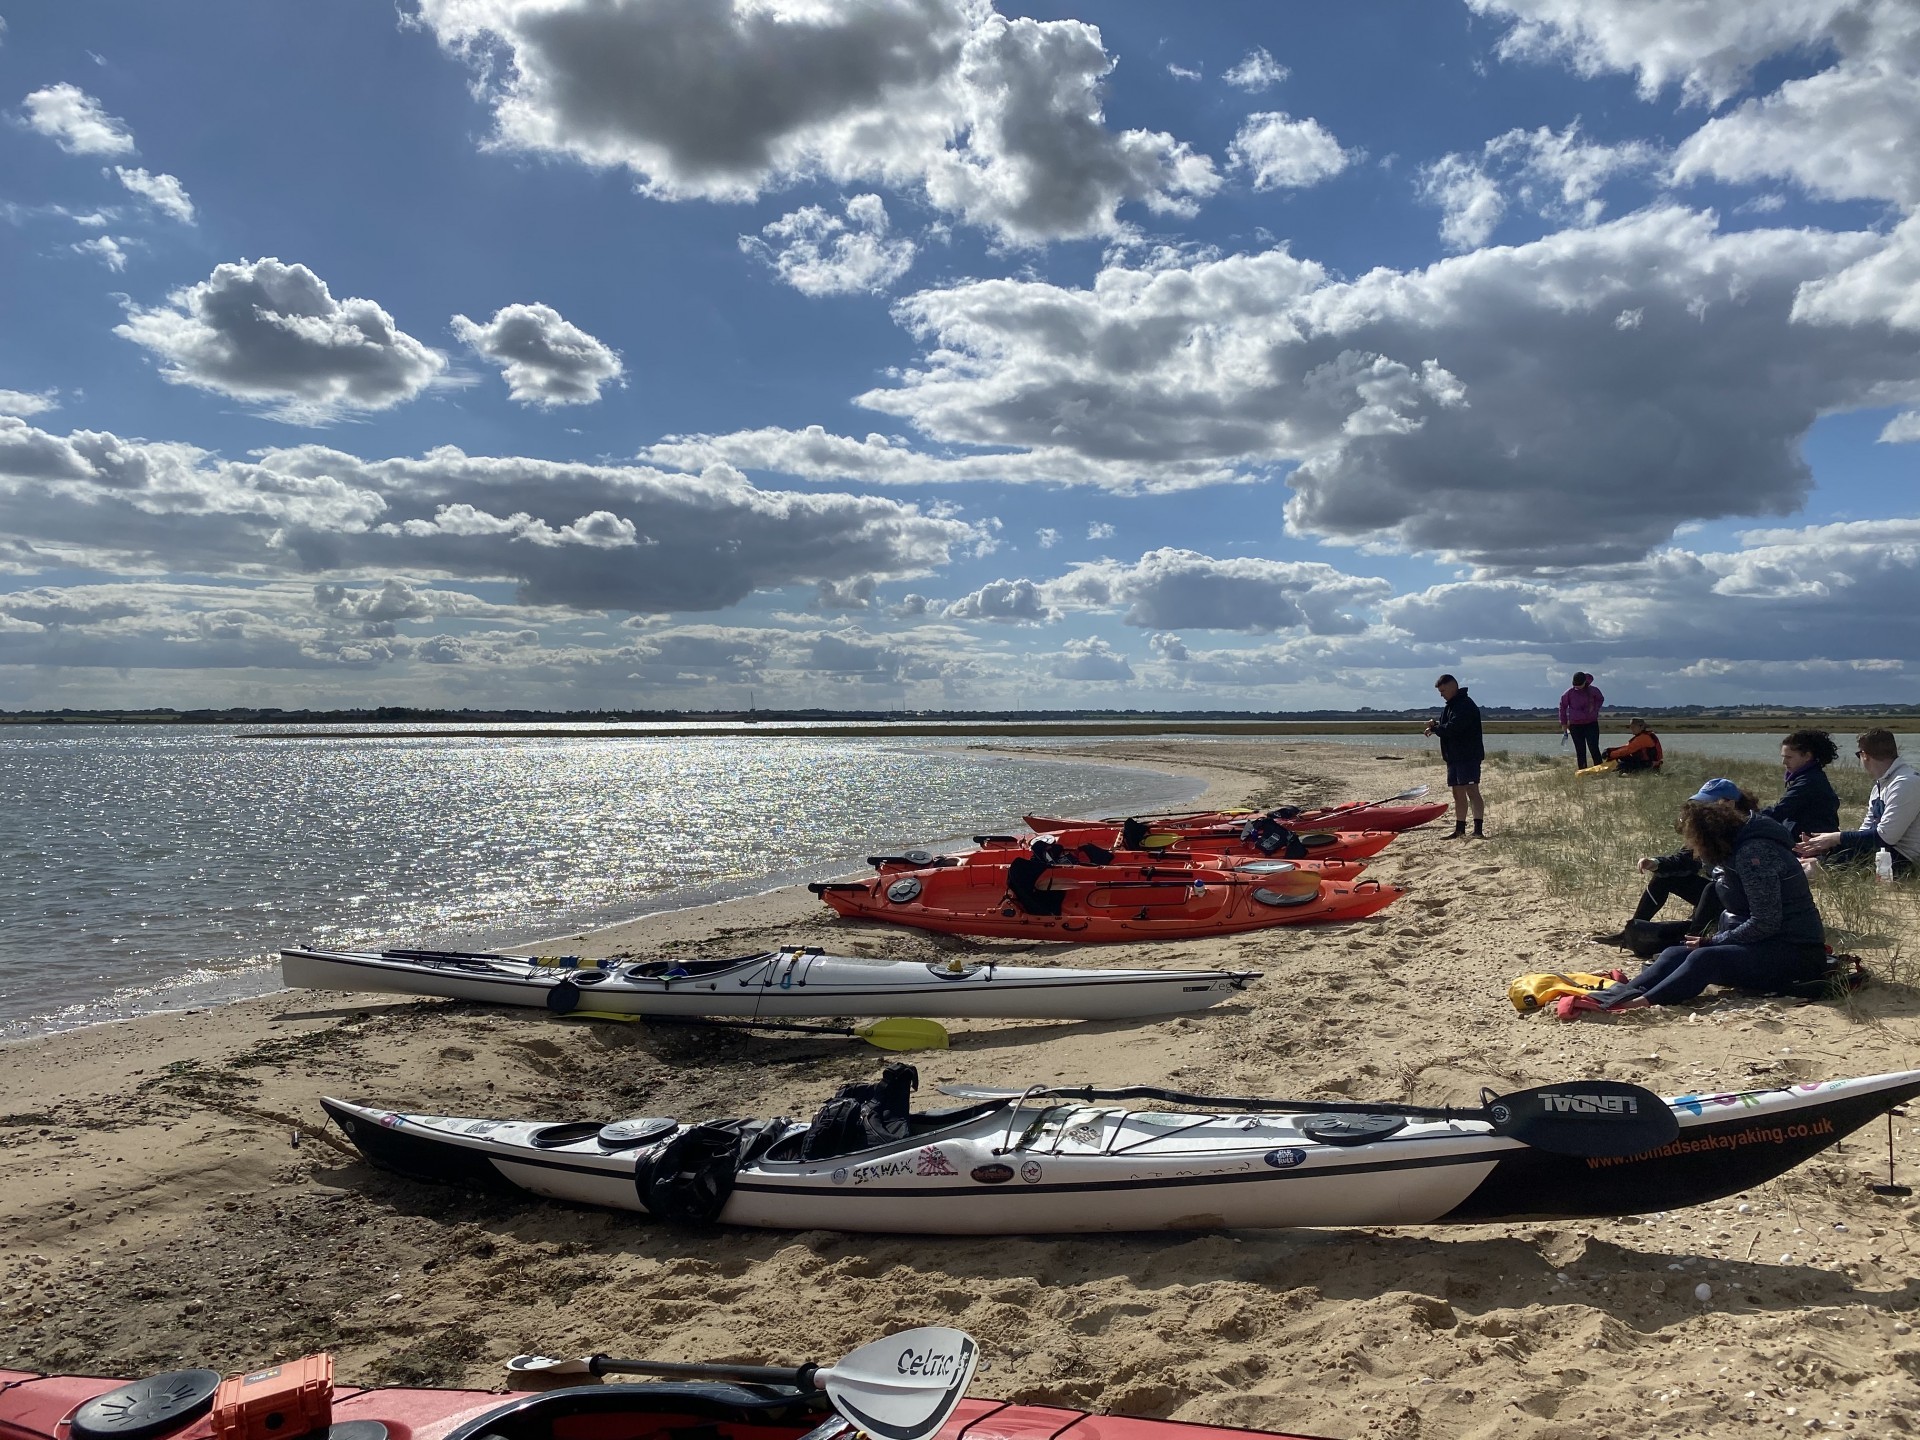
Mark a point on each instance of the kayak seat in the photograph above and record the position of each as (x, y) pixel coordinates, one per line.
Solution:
(1023, 878)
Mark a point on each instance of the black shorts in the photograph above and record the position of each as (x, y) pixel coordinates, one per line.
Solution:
(1463, 772)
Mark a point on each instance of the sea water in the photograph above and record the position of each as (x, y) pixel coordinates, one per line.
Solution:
(148, 867)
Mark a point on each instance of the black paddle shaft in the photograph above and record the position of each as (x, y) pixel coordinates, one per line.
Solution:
(799, 1377)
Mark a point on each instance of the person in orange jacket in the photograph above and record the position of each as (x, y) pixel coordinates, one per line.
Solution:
(1641, 752)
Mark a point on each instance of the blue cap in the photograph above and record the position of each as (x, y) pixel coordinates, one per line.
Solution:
(1717, 790)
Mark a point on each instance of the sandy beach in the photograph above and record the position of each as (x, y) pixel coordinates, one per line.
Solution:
(170, 1195)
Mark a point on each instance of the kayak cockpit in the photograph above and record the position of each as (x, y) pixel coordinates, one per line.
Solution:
(658, 1412)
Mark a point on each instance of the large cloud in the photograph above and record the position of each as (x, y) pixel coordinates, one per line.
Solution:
(996, 120)
(585, 536)
(1009, 602)
(547, 360)
(264, 331)
(1170, 589)
(1844, 132)
(1574, 398)
(76, 122)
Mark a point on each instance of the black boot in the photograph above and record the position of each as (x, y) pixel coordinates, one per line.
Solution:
(1478, 833)
(1459, 830)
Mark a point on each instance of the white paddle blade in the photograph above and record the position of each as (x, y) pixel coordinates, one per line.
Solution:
(905, 1386)
(544, 1365)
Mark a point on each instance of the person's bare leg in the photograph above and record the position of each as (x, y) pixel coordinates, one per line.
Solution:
(1459, 811)
(1472, 793)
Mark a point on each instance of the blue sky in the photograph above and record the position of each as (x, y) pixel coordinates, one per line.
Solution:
(933, 353)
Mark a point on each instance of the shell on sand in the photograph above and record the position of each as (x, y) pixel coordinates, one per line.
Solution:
(154, 1212)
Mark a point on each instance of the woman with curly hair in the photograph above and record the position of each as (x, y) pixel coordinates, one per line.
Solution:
(1769, 937)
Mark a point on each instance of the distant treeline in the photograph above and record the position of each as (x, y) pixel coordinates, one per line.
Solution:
(1762, 716)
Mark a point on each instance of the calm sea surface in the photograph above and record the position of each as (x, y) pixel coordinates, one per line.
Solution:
(150, 868)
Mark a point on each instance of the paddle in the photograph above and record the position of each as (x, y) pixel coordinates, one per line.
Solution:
(898, 1032)
(1575, 1117)
(901, 1388)
(1414, 794)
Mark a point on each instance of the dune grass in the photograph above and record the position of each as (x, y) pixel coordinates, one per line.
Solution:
(1586, 835)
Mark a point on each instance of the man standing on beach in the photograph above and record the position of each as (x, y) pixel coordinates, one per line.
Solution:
(1463, 748)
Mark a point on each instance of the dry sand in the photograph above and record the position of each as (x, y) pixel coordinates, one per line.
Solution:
(154, 1210)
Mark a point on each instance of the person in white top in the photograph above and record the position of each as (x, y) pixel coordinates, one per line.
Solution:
(1892, 821)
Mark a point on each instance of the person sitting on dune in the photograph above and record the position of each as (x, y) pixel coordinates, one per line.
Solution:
(1641, 752)
(1677, 876)
(1892, 821)
(1770, 937)
(1809, 805)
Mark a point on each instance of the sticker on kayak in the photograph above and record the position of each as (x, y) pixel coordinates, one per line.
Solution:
(1285, 1159)
(933, 1161)
(392, 1121)
(993, 1174)
(1030, 1172)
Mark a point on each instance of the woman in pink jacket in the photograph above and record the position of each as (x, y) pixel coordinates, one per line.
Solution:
(1580, 718)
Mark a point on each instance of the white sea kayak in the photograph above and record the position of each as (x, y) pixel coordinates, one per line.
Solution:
(773, 985)
(1040, 1164)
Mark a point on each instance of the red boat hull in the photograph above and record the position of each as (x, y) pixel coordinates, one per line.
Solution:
(1226, 841)
(1002, 853)
(1102, 905)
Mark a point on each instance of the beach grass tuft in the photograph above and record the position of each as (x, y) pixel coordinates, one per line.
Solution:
(1587, 834)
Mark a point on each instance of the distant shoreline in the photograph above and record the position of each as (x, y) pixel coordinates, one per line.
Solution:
(1701, 725)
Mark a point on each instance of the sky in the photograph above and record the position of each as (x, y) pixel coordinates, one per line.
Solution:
(938, 354)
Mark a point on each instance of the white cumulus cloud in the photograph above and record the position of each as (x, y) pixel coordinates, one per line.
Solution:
(270, 332)
(819, 253)
(996, 120)
(1256, 71)
(76, 122)
(164, 192)
(546, 360)
(1284, 153)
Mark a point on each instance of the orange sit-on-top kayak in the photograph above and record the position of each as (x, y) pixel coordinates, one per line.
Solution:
(1219, 841)
(1003, 850)
(1103, 903)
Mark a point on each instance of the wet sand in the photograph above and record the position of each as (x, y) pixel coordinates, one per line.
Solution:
(156, 1211)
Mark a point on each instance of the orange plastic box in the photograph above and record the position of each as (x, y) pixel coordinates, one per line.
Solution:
(277, 1404)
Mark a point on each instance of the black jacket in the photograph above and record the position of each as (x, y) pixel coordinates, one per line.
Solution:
(1764, 891)
(1809, 807)
(1459, 729)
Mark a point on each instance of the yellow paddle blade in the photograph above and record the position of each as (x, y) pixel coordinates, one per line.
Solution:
(903, 1032)
(602, 1015)
(1159, 842)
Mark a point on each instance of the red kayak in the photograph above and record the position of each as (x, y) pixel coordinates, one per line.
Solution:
(1002, 850)
(1105, 904)
(1218, 841)
(1354, 815)
(177, 1406)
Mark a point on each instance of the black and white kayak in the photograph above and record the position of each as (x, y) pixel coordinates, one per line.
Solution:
(1049, 1161)
(772, 985)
